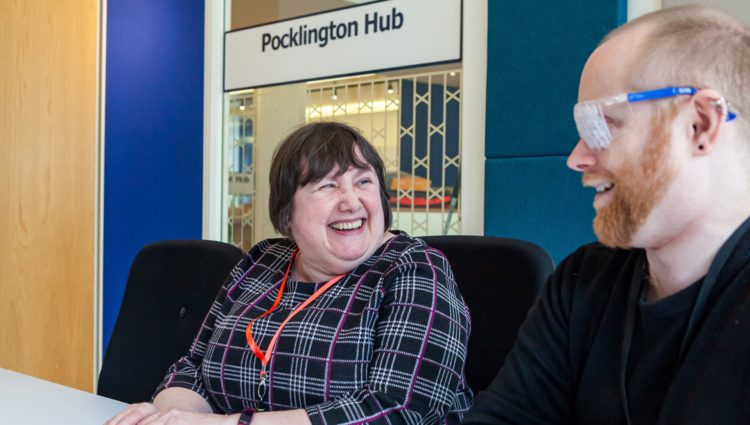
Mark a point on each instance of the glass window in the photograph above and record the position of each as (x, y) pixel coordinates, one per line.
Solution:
(413, 118)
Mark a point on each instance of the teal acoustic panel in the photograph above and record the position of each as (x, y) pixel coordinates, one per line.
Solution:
(538, 200)
(535, 53)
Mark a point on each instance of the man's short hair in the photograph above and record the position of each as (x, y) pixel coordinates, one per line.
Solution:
(695, 46)
(309, 154)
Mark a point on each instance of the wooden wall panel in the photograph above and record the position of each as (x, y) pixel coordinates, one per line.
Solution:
(48, 80)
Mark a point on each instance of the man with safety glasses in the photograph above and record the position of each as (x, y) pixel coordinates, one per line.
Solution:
(652, 324)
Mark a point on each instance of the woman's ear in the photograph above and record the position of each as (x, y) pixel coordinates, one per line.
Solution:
(710, 111)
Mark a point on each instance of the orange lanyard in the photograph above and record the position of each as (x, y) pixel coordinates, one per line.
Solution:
(264, 358)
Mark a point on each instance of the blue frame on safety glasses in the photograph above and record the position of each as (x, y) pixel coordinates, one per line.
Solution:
(592, 124)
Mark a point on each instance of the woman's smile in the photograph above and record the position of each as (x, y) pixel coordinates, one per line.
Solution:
(347, 226)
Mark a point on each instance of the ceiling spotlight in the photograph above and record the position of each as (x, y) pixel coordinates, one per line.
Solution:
(333, 96)
(452, 73)
(390, 89)
(242, 107)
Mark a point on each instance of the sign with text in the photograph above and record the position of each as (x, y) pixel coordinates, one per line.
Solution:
(241, 184)
(372, 37)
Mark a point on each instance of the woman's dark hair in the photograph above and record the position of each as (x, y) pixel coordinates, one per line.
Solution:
(308, 155)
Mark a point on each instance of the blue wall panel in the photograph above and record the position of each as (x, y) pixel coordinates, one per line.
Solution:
(535, 54)
(539, 200)
(153, 133)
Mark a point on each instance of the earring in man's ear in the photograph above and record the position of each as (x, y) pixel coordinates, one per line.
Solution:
(720, 105)
(726, 109)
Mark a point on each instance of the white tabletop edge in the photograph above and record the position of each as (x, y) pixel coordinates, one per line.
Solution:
(30, 400)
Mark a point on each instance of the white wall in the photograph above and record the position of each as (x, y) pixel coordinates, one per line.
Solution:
(740, 9)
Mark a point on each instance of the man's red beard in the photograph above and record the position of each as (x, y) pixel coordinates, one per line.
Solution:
(639, 184)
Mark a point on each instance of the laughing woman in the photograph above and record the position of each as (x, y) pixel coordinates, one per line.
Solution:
(340, 322)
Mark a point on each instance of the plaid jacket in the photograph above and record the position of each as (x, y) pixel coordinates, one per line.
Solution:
(386, 344)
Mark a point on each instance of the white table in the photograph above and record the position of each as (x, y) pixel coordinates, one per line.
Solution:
(27, 400)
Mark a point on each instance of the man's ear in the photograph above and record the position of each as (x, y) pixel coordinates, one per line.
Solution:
(710, 110)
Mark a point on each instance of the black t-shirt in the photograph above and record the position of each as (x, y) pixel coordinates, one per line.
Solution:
(566, 365)
(657, 336)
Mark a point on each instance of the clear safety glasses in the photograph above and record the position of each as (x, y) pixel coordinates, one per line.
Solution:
(599, 121)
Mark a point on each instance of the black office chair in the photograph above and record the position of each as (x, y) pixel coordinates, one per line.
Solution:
(170, 288)
(499, 279)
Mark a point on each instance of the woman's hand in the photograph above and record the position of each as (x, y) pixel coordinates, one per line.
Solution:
(172, 406)
(133, 414)
(148, 414)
